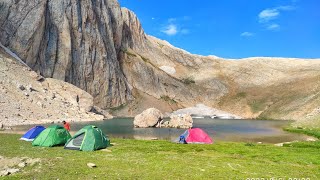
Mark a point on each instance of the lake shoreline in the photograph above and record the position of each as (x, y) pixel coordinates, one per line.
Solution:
(232, 130)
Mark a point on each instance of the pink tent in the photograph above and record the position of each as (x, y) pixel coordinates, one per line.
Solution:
(195, 136)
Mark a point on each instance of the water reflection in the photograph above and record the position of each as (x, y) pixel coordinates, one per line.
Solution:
(218, 129)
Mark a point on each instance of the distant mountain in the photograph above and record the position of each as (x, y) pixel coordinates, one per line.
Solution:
(102, 48)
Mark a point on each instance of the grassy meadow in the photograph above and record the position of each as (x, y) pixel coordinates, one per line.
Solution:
(141, 159)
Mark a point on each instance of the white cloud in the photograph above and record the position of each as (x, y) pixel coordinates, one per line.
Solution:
(170, 30)
(246, 34)
(174, 26)
(273, 26)
(272, 13)
(153, 18)
(268, 14)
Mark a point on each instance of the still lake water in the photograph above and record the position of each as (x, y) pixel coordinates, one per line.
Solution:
(267, 131)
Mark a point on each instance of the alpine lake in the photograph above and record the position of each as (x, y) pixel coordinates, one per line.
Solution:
(234, 130)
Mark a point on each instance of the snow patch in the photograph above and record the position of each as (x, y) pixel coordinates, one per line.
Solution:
(168, 69)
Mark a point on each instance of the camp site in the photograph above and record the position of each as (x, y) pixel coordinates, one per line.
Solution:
(160, 90)
(90, 152)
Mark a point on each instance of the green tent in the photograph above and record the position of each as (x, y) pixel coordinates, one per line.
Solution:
(89, 138)
(52, 136)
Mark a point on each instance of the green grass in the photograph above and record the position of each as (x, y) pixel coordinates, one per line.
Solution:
(307, 131)
(138, 159)
(315, 144)
(257, 105)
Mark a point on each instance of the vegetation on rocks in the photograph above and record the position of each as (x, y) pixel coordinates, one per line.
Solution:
(118, 107)
(257, 105)
(130, 53)
(168, 99)
(241, 95)
(188, 80)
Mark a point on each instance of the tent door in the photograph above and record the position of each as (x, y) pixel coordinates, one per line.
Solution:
(75, 143)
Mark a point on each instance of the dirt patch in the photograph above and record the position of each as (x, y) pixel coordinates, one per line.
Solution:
(13, 165)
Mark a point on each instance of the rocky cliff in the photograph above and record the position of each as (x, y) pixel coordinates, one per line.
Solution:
(27, 98)
(102, 48)
(73, 41)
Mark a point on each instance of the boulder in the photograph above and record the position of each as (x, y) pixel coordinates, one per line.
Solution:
(148, 118)
(184, 121)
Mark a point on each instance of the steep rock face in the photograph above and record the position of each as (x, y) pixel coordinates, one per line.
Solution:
(74, 41)
(82, 42)
(102, 48)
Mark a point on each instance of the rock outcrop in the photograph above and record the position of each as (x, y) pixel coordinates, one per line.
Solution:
(179, 121)
(149, 118)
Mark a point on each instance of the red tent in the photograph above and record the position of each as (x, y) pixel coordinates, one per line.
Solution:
(195, 136)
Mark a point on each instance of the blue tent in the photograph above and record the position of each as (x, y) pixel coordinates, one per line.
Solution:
(32, 133)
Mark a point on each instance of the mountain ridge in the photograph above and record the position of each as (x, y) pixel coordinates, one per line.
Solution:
(102, 48)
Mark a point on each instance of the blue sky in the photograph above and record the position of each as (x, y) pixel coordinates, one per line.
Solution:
(234, 28)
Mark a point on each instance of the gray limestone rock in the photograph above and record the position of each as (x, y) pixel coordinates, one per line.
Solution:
(148, 118)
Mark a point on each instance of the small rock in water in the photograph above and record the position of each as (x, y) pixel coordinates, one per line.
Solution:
(91, 165)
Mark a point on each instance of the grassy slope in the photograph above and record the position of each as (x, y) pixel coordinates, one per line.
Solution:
(307, 131)
(136, 159)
